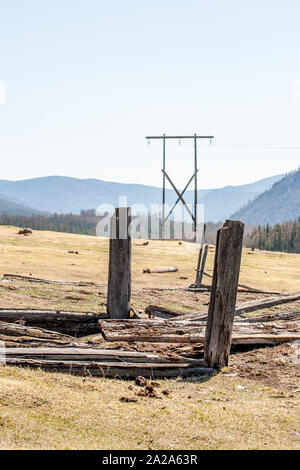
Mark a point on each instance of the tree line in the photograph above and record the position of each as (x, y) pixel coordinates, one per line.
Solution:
(280, 237)
(84, 224)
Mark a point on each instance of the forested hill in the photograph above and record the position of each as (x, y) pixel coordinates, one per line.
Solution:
(11, 207)
(280, 237)
(60, 194)
(278, 204)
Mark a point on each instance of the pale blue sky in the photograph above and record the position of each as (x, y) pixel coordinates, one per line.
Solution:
(87, 80)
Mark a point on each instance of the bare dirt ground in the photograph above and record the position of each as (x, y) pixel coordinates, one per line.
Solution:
(271, 366)
(25, 294)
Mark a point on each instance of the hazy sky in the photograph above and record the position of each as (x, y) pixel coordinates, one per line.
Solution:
(87, 80)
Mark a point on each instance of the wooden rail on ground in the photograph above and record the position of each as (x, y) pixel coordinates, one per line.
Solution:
(67, 323)
(286, 327)
(107, 363)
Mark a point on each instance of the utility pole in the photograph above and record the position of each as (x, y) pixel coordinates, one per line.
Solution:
(196, 184)
(164, 186)
(192, 213)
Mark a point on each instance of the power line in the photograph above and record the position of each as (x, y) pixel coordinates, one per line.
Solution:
(258, 147)
(283, 146)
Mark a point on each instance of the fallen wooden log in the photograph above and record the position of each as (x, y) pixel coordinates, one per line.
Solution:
(19, 277)
(249, 290)
(248, 307)
(115, 370)
(159, 289)
(271, 317)
(69, 323)
(97, 355)
(159, 331)
(18, 335)
(166, 331)
(203, 288)
(162, 312)
(267, 302)
(165, 313)
(125, 364)
(167, 269)
(244, 288)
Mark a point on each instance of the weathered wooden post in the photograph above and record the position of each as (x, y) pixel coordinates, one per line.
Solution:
(223, 294)
(201, 261)
(201, 271)
(119, 271)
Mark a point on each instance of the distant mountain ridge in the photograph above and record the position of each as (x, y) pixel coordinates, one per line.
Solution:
(13, 208)
(63, 194)
(278, 204)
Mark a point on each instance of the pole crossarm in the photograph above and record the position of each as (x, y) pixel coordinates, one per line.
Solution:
(180, 137)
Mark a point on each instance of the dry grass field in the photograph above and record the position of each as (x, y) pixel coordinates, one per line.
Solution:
(46, 255)
(252, 404)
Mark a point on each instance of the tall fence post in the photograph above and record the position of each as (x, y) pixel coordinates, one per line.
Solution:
(119, 271)
(223, 294)
(201, 271)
